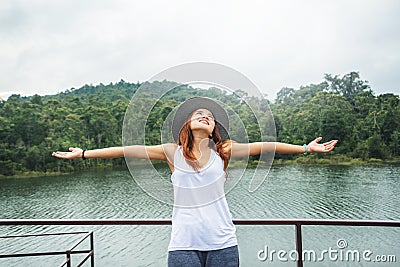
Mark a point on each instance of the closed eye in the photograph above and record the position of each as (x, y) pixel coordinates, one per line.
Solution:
(202, 114)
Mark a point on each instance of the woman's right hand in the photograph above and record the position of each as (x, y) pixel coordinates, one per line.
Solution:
(74, 153)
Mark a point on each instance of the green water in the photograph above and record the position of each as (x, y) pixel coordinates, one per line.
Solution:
(318, 192)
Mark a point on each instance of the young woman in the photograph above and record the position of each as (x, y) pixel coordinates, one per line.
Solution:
(202, 230)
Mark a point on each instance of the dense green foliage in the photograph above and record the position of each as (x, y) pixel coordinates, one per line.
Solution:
(343, 108)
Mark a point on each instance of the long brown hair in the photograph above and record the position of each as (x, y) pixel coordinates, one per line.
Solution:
(186, 139)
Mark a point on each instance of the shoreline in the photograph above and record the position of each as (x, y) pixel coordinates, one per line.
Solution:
(338, 161)
(346, 161)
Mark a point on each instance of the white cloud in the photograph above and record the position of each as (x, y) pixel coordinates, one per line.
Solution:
(50, 46)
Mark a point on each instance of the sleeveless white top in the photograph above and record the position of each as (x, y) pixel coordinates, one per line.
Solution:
(200, 219)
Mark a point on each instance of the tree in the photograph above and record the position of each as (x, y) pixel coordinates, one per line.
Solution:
(285, 96)
(348, 86)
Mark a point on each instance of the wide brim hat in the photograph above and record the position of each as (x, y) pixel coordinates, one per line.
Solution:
(186, 108)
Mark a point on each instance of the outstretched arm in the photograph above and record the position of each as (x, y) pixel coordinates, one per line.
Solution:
(251, 149)
(151, 152)
(75, 152)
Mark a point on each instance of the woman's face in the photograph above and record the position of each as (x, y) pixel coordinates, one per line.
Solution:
(202, 119)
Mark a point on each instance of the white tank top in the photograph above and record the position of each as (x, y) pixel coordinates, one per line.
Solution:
(200, 219)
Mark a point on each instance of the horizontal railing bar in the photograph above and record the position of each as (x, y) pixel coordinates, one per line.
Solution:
(50, 253)
(335, 222)
(316, 222)
(85, 222)
(43, 234)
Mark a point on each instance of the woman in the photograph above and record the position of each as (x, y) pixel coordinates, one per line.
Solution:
(202, 230)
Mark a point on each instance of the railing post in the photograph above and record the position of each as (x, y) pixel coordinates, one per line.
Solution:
(68, 253)
(299, 245)
(92, 249)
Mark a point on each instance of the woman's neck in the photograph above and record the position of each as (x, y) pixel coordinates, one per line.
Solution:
(200, 144)
(201, 151)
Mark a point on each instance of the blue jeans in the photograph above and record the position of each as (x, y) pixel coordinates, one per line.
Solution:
(226, 257)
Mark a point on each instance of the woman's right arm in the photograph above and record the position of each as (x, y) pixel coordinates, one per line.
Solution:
(137, 151)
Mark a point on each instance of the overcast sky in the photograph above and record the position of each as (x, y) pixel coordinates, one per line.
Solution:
(48, 46)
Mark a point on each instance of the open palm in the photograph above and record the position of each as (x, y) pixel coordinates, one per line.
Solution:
(73, 154)
(315, 147)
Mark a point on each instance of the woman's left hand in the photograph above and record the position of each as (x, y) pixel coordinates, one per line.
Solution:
(315, 147)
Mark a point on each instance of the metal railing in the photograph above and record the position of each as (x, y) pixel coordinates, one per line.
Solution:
(68, 253)
(298, 223)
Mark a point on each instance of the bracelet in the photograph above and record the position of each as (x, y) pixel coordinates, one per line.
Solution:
(305, 153)
(83, 154)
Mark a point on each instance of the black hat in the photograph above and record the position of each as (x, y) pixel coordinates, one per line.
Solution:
(194, 103)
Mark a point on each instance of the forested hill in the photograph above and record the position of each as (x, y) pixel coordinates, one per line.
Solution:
(113, 91)
(344, 108)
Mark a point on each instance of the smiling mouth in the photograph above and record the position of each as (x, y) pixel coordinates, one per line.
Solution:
(204, 122)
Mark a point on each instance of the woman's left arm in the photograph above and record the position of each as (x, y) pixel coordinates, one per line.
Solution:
(242, 150)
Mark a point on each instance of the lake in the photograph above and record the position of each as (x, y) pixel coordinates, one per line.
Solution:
(303, 192)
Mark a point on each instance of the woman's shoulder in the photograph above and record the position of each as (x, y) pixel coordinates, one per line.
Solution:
(227, 145)
(169, 148)
(170, 145)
